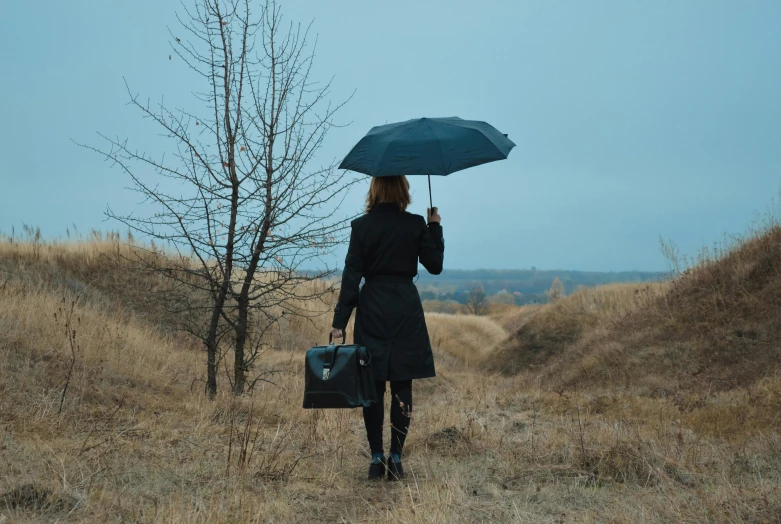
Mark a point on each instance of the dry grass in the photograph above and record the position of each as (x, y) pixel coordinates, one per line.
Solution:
(514, 319)
(715, 328)
(138, 441)
(542, 334)
(463, 339)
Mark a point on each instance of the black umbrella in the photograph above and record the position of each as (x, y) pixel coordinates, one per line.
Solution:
(427, 146)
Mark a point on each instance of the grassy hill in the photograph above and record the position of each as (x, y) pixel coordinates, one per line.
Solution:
(715, 327)
(624, 403)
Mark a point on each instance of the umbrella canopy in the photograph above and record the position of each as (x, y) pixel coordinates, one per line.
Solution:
(427, 146)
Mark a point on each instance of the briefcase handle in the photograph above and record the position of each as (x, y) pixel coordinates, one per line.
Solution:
(330, 354)
(344, 337)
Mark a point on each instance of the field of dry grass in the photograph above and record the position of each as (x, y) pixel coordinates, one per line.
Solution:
(547, 332)
(492, 440)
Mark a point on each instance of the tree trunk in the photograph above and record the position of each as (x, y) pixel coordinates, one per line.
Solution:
(211, 342)
(211, 368)
(239, 365)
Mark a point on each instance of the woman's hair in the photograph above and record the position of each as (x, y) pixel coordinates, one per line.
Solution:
(393, 189)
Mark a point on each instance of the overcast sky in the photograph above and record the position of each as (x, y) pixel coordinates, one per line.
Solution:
(633, 120)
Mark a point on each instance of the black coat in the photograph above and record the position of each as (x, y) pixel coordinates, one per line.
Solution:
(385, 245)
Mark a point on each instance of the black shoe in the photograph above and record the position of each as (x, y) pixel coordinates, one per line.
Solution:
(377, 471)
(395, 470)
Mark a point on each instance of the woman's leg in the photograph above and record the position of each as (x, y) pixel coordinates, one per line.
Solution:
(401, 411)
(373, 418)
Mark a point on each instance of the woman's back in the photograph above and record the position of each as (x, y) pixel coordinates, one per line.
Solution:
(391, 242)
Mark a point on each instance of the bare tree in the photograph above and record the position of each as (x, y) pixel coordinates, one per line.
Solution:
(477, 302)
(254, 207)
(556, 291)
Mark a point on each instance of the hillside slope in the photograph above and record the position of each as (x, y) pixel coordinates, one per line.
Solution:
(555, 327)
(715, 327)
(93, 270)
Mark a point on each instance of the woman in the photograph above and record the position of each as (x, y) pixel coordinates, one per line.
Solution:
(385, 246)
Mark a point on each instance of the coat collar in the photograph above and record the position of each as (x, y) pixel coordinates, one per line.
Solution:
(385, 206)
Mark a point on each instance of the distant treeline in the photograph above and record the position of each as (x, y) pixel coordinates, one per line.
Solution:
(526, 286)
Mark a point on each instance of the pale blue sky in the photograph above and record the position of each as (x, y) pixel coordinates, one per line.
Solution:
(632, 119)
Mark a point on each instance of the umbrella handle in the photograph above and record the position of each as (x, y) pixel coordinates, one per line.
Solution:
(431, 205)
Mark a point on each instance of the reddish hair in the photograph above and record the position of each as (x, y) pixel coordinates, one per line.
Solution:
(393, 189)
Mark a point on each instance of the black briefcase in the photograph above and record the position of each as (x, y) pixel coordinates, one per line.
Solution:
(338, 376)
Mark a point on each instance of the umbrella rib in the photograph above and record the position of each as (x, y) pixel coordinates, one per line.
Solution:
(385, 151)
(439, 144)
(382, 156)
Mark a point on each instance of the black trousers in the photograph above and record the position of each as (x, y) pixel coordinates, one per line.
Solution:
(401, 410)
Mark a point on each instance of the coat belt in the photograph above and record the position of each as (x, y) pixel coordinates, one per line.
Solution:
(388, 278)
